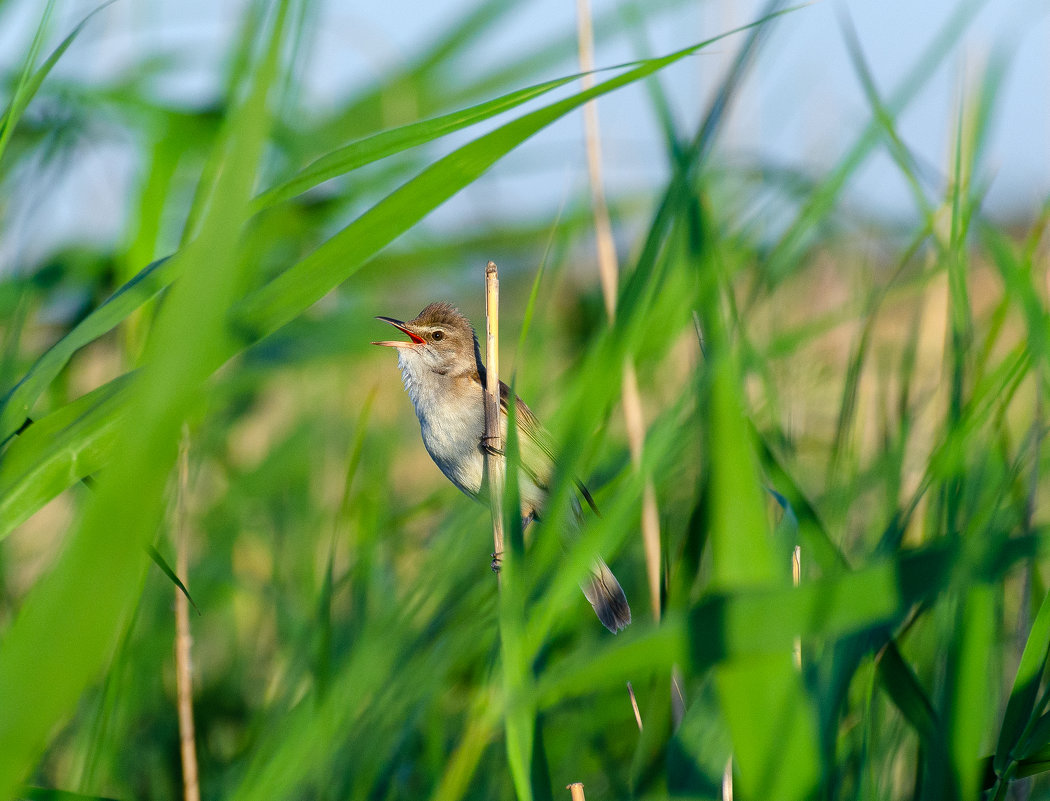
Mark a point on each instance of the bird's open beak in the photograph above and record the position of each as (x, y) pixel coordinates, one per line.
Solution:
(400, 326)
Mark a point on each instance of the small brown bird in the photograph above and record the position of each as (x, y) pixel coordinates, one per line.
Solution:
(443, 374)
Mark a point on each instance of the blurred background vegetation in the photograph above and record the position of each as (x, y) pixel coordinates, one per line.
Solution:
(810, 374)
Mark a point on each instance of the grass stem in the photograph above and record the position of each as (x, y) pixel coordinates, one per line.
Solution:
(493, 437)
(183, 638)
(608, 270)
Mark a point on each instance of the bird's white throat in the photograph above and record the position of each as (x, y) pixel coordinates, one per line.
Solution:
(451, 425)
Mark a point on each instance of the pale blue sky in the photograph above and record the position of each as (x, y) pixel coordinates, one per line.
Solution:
(801, 107)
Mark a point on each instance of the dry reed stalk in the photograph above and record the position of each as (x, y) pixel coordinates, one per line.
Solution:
(602, 224)
(634, 706)
(796, 577)
(608, 272)
(493, 439)
(576, 788)
(183, 638)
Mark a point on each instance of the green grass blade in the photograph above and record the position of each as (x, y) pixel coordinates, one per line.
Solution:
(768, 712)
(48, 794)
(1021, 710)
(71, 620)
(515, 659)
(17, 404)
(384, 144)
(29, 82)
(905, 161)
(968, 721)
(903, 687)
(59, 450)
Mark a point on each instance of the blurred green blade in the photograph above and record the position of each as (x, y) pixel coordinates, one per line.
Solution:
(972, 679)
(770, 717)
(1021, 708)
(57, 451)
(520, 716)
(901, 684)
(1037, 743)
(29, 84)
(48, 794)
(387, 143)
(365, 151)
(1032, 767)
(16, 405)
(72, 618)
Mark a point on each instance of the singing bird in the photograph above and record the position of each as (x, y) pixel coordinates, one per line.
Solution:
(443, 374)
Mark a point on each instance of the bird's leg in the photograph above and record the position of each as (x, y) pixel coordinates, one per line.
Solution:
(497, 558)
(488, 445)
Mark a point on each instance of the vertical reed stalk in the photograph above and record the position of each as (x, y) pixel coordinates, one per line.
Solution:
(183, 638)
(608, 271)
(493, 438)
(796, 577)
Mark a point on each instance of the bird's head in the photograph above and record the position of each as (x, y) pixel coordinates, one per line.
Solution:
(441, 340)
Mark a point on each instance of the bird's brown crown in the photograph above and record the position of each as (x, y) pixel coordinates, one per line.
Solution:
(442, 314)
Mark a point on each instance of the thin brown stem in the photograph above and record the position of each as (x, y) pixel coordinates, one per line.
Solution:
(576, 788)
(183, 638)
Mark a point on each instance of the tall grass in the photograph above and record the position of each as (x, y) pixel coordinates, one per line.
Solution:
(884, 413)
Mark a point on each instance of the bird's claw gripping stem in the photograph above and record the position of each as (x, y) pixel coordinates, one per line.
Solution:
(497, 559)
(488, 447)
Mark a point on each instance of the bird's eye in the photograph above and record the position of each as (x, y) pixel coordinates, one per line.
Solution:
(439, 335)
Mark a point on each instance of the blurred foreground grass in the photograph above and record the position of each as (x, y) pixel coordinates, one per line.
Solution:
(873, 394)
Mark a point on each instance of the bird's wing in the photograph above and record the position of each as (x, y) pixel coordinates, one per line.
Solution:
(537, 447)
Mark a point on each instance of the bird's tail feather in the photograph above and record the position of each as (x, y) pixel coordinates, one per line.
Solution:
(606, 596)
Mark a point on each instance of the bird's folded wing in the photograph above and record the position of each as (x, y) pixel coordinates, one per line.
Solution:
(537, 446)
